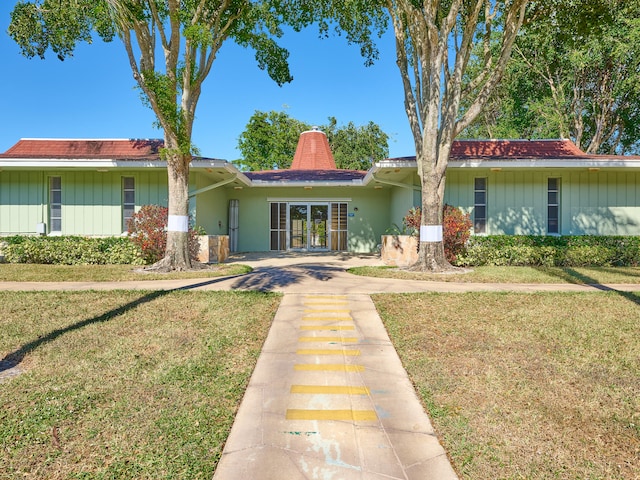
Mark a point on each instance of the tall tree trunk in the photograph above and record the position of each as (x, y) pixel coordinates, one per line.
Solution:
(431, 255)
(177, 251)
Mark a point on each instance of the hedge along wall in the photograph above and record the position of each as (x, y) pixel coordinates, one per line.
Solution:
(560, 251)
(71, 250)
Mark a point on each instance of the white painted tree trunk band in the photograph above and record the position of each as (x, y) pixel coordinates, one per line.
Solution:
(430, 233)
(178, 223)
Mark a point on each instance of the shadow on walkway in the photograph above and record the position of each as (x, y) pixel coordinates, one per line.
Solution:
(265, 279)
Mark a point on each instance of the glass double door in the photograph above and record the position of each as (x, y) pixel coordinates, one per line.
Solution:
(308, 226)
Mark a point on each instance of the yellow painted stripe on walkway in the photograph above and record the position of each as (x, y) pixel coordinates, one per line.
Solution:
(328, 339)
(327, 327)
(330, 389)
(327, 367)
(326, 351)
(318, 310)
(348, 415)
(325, 301)
(308, 318)
(325, 296)
(326, 304)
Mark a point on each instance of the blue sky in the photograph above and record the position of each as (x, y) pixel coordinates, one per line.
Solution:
(93, 95)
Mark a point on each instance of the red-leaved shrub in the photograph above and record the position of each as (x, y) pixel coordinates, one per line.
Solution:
(456, 229)
(148, 229)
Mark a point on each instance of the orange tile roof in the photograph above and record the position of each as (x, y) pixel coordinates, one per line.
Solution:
(85, 149)
(514, 149)
(313, 152)
(506, 150)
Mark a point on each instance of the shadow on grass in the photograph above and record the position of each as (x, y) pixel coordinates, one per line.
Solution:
(16, 357)
(261, 279)
(570, 275)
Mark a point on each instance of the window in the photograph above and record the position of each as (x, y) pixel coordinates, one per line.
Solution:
(553, 205)
(339, 226)
(128, 201)
(278, 229)
(480, 205)
(55, 204)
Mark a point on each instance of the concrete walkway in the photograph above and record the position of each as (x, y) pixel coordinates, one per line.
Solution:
(311, 273)
(329, 398)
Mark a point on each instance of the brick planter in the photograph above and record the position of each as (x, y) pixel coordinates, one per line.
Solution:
(399, 250)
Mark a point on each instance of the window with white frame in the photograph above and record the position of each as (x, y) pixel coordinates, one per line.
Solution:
(128, 201)
(553, 205)
(480, 205)
(55, 204)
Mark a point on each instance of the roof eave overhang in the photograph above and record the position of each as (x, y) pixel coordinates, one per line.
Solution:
(289, 184)
(105, 163)
(387, 165)
(546, 163)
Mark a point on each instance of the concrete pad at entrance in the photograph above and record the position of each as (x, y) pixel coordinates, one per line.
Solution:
(329, 399)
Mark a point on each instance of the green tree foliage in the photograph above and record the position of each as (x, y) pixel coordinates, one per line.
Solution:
(270, 139)
(356, 147)
(575, 73)
(171, 46)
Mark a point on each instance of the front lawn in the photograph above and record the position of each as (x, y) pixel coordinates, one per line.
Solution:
(526, 386)
(124, 384)
(26, 272)
(579, 275)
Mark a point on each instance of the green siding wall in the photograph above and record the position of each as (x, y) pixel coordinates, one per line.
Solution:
(21, 202)
(91, 201)
(212, 207)
(364, 228)
(591, 203)
(604, 202)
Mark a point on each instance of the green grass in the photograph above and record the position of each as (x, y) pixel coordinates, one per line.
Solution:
(602, 275)
(124, 384)
(526, 386)
(19, 272)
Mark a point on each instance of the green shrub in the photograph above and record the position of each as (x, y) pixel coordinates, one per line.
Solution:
(589, 256)
(72, 250)
(564, 251)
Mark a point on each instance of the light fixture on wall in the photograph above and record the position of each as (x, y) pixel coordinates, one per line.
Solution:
(377, 187)
(102, 170)
(496, 169)
(594, 169)
(308, 188)
(237, 188)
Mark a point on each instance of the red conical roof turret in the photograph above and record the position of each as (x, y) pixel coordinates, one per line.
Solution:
(313, 152)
